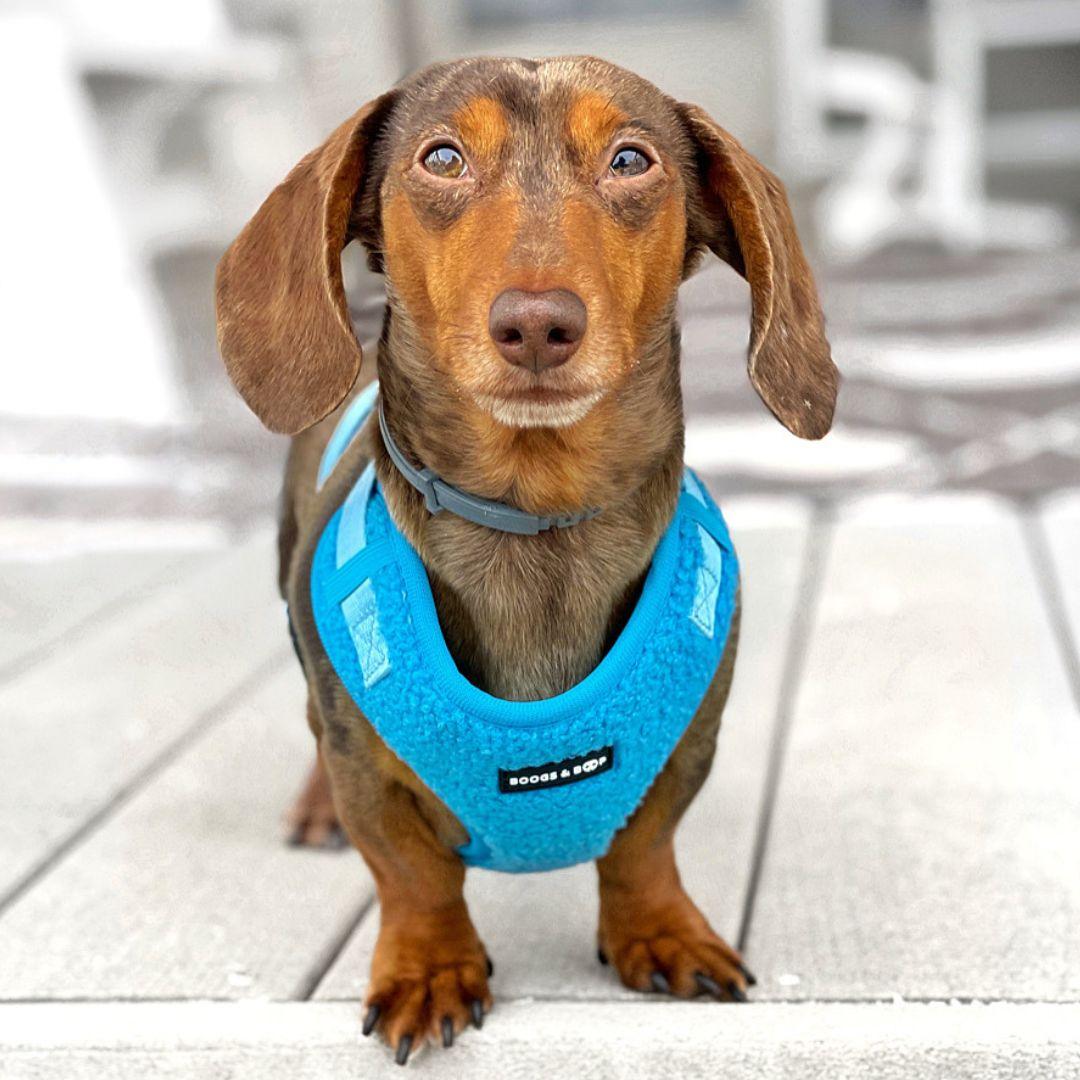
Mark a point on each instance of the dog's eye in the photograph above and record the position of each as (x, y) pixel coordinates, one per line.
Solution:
(445, 161)
(629, 161)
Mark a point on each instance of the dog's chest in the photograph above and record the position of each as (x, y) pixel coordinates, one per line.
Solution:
(528, 617)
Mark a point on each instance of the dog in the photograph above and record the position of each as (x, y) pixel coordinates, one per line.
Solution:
(533, 221)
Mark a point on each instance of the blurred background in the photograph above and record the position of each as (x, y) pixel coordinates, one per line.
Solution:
(931, 148)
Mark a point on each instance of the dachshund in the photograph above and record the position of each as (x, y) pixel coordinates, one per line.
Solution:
(533, 221)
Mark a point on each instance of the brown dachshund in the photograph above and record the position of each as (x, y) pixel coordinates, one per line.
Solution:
(533, 221)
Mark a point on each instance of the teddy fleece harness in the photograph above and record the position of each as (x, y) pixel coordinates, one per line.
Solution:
(537, 784)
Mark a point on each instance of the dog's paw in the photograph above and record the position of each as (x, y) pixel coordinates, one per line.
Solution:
(424, 996)
(673, 951)
(312, 820)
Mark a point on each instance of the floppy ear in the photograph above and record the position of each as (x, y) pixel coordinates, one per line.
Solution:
(746, 220)
(283, 322)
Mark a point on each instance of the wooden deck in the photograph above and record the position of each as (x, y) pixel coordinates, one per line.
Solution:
(891, 831)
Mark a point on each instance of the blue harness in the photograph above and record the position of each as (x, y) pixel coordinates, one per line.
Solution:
(537, 784)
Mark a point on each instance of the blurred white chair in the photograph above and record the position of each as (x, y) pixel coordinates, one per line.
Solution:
(82, 333)
(918, 170)
(182, 40)
(181, 60)
(962, 135)
(867, 205)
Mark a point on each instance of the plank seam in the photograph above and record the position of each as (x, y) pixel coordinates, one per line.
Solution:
(818, 542)
(145, 588)
(318, 971)
(1050, 588)
(131, 787)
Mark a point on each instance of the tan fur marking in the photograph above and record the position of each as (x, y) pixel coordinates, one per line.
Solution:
(449, 278)
(484, 126)
(591, 121)
(633, 273)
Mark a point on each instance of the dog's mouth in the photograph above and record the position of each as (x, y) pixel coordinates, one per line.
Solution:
(539, 406)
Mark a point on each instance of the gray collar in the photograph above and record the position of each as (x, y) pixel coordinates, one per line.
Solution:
(439, 495)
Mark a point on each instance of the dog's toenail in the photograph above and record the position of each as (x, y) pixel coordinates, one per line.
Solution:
(371, 1019)
(659, 983)
(403, 1049)
(477, 1014)
(447, 1031)
(748, 975)
(735, 992)
(709, 985)
(602, 957)
(490, 966)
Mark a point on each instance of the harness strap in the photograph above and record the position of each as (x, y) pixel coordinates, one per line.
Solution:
(357, 411)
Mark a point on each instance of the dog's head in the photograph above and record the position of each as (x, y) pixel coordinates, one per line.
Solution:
(534, 221)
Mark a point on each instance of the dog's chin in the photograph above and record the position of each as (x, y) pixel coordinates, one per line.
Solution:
(520, 411)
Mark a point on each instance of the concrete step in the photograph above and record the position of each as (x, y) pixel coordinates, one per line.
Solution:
(522, 1040)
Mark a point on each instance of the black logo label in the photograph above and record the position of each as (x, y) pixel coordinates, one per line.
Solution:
(557, 773)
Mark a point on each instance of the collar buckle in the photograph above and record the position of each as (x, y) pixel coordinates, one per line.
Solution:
(427, 484)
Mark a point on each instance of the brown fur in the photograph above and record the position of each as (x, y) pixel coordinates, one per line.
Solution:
(292, 375)
(524, 617)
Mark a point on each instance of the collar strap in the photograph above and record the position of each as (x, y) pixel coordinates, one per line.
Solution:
(439, 496)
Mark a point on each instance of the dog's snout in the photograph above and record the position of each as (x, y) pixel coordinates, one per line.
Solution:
(537, 330)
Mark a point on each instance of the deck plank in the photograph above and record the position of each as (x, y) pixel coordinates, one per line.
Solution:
(924, 839)
(188, 890)
(43, 601)
(540, 929)
(521, 1040)
(80, 725)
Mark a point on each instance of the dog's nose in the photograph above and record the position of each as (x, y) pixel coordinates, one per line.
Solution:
(537, 330)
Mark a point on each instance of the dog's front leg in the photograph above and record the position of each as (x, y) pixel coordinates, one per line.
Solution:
(650, 929)
(653, 933)
(429, 973)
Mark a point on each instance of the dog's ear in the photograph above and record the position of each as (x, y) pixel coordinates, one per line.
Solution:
(745, 219)
(283, 322)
